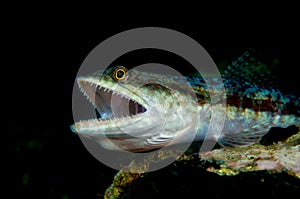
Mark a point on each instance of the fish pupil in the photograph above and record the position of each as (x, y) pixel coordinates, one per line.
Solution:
(120, 74)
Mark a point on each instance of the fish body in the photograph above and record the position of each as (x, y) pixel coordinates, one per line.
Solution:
(142, 111)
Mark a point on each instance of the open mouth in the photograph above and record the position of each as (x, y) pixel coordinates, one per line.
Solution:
(109, 104)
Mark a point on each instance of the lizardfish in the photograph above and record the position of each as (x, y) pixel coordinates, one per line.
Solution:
(142, 111)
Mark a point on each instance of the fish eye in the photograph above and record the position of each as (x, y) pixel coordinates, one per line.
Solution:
(120, 73)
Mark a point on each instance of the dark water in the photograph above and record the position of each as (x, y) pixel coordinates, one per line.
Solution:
(46, 160)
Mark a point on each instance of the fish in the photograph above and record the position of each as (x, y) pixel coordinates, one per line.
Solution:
(140, 111)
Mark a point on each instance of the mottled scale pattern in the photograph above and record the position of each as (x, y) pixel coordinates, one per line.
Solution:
(249, 84)
(254, 103)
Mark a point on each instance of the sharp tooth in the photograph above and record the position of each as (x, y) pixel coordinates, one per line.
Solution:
(105, 89)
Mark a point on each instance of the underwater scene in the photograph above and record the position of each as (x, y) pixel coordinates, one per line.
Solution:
(144, 133)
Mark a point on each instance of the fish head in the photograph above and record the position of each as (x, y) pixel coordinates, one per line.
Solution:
(137, 110)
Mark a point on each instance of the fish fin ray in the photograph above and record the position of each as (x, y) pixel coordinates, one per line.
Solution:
(247, 71)
(242, 138)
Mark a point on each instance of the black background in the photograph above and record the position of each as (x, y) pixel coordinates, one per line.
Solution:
(40, 61)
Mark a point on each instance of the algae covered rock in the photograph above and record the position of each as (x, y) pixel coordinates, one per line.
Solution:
(258, 171)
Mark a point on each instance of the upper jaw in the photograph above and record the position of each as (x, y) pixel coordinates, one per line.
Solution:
(109, 101)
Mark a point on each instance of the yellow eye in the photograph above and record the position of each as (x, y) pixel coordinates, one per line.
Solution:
(120, 73)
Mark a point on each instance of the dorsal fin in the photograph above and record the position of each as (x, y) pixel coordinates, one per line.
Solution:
(247, 70)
